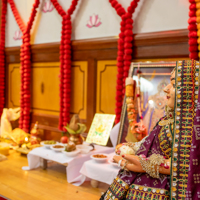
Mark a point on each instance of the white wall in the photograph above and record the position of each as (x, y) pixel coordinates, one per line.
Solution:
(150, 16)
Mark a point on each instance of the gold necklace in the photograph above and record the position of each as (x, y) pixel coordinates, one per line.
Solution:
(169, 119)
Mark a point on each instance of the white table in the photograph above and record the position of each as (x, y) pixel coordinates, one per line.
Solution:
(102, 172)
(73, 164)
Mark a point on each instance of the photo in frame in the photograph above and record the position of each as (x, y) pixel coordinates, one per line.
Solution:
(100, 129)
(153, 79)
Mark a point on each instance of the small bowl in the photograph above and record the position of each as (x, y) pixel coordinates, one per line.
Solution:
(47, 145)
(84, 148)
(71, 153)
(58, 148)
(99, 159)
(4, 148)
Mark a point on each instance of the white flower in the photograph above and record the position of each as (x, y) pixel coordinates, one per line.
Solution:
(126, 150)
(48, 6)
(18, 35)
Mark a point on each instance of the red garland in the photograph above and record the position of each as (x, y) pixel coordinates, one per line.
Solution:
(193, 45)
(25, 68)
(2, 55)
(124, 55)
(65, 62)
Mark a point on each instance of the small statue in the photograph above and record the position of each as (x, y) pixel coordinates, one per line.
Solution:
(35, 135)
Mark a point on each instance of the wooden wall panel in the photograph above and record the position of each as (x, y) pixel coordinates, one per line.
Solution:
(14, 85)
(106, 86)
(79, 89)
(96, 79)
(45, 88)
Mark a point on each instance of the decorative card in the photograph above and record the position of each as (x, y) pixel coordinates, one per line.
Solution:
(100, 129)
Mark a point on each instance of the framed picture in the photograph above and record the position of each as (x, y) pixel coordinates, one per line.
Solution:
(153, 79)
(100, 128)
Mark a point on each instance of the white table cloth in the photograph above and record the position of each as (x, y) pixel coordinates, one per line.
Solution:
(74, 163)
(103, 172)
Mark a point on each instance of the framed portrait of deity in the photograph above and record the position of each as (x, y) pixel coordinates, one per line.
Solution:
(149, 104)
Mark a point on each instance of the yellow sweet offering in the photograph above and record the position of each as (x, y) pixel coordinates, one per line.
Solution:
(49, 142)
(18, 135)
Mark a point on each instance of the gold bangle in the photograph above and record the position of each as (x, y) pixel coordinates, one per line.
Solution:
(152, 164)
(119, 163)
(124, 166)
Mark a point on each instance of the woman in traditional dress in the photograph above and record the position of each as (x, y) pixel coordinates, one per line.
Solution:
(166, 163)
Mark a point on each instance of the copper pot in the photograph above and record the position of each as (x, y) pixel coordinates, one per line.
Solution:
(76, 138)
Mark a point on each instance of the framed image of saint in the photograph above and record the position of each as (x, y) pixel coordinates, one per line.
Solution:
(154, 77)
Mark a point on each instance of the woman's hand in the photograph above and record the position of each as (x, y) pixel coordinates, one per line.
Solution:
(164, 170)
(116, 159)
(135, 165)
(133, 162)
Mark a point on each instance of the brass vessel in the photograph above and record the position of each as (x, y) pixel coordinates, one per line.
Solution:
(76, 139)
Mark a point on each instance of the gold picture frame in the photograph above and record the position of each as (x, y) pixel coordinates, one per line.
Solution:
(156, 70)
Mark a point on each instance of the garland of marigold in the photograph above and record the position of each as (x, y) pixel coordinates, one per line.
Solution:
(2, 55)
(198, 24)
(65, 62)
(124, 55)
(192, 27)
(25, 68)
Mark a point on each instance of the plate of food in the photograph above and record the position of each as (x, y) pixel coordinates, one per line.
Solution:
(84, 148)
(100, 157)
(57, 147)
(71, 153)
(48, 143)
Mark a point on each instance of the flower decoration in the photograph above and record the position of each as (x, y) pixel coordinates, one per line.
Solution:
(48, 6)
(94, 21)
(81, 129)
(125, 45)
(25, 69)
(65, 60)
(192, 27)
(2, 54)
(18, 35)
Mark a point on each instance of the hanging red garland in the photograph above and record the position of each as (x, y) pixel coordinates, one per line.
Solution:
(25, 68)
(2, 55)
(65, 62)
(192, 21)
(198, 25)
(124, 55)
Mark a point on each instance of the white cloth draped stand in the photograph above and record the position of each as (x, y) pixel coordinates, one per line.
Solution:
(103, 172)
(80, 167)
(73, 164)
